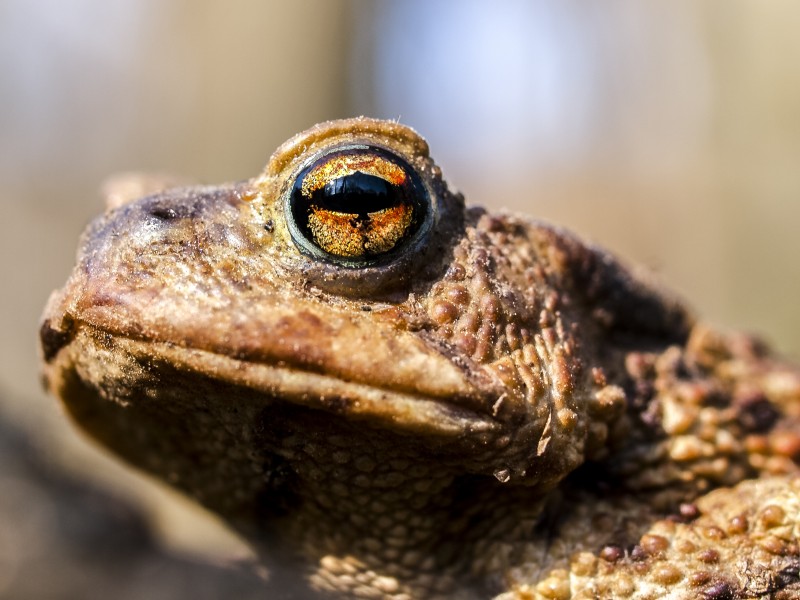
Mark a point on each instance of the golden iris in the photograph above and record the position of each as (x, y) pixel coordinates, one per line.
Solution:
(357, 204)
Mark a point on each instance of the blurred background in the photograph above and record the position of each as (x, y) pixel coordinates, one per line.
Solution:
(666, 131)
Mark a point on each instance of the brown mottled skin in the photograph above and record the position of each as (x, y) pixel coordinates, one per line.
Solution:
(499, 411)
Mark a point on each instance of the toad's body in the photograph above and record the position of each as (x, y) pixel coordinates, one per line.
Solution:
(414, 399)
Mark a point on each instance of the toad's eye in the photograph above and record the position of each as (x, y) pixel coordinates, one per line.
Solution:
(356, 205)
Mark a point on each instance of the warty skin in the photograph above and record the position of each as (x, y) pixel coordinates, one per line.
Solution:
(492, 409)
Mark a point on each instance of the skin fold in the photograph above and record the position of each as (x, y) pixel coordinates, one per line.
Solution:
(486, 408)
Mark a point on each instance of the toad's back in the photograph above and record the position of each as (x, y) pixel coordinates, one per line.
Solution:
(418, 399)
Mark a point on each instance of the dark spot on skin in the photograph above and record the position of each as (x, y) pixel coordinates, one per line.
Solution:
(53, 340)
(612, 553)
(185, 204)
(720, 590)
(269, 226)
(638, 553)
(688, 511)
(165, 213)
(492, 223)
(682, 371)
(756, 414)
(788, 576)
(716, 399)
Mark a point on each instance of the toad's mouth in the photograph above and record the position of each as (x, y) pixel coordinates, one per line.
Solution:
(137, 368)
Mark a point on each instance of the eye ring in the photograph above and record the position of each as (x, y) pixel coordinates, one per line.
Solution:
(356, 205)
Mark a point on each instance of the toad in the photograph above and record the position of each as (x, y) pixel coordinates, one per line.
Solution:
(400, 396)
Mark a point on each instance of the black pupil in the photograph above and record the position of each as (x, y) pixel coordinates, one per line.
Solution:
(358, 193)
